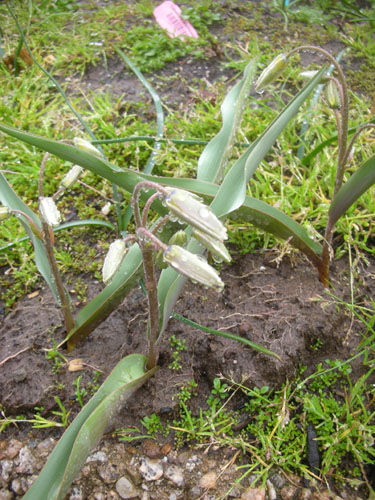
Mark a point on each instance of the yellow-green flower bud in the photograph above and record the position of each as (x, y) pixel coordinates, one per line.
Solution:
(189, 208)
(86, 146)
(4, 213)
(113, 260)
(272, 72)
(71, 177)
(178, 238)
(332, 95)
(49, 212)
(193, 266)
(216, 247)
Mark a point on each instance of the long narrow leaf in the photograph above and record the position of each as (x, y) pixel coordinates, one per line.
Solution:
(215, 155)
(354, 187)
(88, 427)
(232, 191)
(226, 335)
(9, 198)
(272, 220)
(98, 309)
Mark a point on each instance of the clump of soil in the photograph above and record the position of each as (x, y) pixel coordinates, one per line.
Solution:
(284, 309)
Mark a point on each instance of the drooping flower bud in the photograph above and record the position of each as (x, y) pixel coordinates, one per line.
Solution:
(4, 213)
(193, 266)
(308, 75)
(190, 208)
(178, 238)
(216, 247)
(71, 177)
(115, 256)
(332, 95)
(86, 146)
(272, 72)
(49, 211)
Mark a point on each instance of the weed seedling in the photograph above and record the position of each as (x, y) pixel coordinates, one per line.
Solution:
(178, 345)
(152, 424)
(80, 392)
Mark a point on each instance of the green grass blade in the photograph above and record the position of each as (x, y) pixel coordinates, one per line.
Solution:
(65, 225)
(333, 139)
(212, 161)
(227, 335)
(87, 428)
(98, 309)
(9, 198)
(354, 187)
(232, 191)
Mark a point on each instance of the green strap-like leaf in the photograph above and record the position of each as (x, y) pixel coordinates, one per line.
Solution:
(9, 198)
(87, 428)
(98, 309)
(354, 187)
(272, 220)
(232, 191)
(226, 335)
(212, 161)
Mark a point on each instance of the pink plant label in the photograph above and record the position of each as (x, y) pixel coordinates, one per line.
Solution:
(168, 16)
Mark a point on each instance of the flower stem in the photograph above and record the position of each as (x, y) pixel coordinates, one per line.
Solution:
(64, 301)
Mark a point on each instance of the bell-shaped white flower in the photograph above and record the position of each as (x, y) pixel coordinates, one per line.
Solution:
(190, 208)
(193, 266)
(49, 211)
(115, 256)
(215, 246)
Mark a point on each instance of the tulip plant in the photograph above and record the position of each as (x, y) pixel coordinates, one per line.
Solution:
(223, 186)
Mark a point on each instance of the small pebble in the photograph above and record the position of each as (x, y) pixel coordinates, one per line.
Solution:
(208, 481)
(6, 495)
(26, 461)
(151, 470)
(76, 494)
(151, 449)
(126, 489)
(305, 494)
(98, 456)
(254, 494)
(288, 492)
(175, 474)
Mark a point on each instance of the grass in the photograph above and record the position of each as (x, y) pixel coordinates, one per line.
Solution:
(68, 38)
(271, 428)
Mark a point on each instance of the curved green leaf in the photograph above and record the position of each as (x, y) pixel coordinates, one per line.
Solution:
(124, 178)
(98, 309)
(272, 220)
(87, 428)
(226, 335)
(232, 191)
(9, 198)
(215, 155)
(354, 187)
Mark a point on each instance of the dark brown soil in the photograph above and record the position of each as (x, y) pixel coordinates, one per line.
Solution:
(284, 309)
